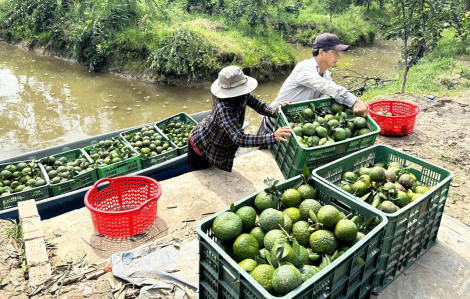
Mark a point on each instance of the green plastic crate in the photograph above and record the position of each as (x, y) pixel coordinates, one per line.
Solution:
(221, 277)
(121, 168)
(412, 230)
(37, 193)
(181, 117)
(291, 157)
(80, 181)
(148, 162)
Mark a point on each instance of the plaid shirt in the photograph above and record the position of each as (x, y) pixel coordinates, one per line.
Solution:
(220, 134)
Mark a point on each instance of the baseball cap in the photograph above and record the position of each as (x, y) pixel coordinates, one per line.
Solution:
(329, 40)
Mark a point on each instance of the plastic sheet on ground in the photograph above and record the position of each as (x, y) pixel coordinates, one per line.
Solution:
(148, 268)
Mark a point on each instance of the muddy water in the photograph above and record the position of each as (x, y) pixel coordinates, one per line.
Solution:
(46, 101)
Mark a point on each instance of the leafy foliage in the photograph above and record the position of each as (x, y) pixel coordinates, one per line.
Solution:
(185, 54)
(417, 24)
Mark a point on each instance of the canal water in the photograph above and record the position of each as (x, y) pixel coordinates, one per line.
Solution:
(46, 101)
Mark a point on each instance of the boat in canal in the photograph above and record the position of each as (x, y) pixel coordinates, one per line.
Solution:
(53, 206)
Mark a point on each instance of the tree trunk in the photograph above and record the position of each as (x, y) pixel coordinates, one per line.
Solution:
(405, 75)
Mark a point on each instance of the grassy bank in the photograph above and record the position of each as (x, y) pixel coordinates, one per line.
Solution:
(162, 40)
(443, 72)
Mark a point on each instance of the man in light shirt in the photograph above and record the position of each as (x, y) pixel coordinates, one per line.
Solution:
(311, 79)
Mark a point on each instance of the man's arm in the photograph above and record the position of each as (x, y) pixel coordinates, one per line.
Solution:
(310, 77)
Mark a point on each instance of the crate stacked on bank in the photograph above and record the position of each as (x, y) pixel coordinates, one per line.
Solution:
(410, 191)
(234, 267)
(323, 131)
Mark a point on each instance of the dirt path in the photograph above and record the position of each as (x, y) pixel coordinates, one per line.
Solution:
(441, 137)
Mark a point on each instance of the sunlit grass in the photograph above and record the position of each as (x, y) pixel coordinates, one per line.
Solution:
(442, 72)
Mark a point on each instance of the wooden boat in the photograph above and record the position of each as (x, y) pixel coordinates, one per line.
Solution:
(53, 206)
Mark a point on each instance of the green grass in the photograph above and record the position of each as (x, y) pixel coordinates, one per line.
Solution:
(443, 72)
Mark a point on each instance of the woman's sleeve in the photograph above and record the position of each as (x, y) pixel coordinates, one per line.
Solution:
(238, 136)
(260, 106)
(310, 77)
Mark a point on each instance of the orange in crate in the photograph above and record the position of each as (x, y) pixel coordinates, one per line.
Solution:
(128, 206)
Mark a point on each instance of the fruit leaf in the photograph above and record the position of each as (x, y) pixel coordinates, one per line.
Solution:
(314, 256)
(259, 260)
(277, 253)
(313, 216)
(335, 255)
(368, 221)
(269, 259)
(365, 197)
(232, 207)
(296, 247)
(351, 118)
(360, 261)
(285, 253)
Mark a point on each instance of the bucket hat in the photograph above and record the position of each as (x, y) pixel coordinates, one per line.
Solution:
(232, 83)
(329, 40)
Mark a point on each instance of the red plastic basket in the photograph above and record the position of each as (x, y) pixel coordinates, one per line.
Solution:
(403, 121)
(128, 206)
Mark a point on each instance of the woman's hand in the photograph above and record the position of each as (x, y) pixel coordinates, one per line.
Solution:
(360, 108)
(284, 131)
(282, 104)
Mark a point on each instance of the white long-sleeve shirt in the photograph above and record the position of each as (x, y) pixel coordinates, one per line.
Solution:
(305, 83)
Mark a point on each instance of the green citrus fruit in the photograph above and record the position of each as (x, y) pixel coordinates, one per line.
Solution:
(308, 272)
(363, 131)
(265, 201)
(345, 230)
(245, 247)
(359, 122)
(285, 279)
(388, 207)
(323, 241)
(248, 265)
(401, 199)
(350, 176)
(336, 107)
(309, 129)
(248, 216)
(406, 180)
(287, 222)
(290, 198)
(259, 235)
(263, 274)
(339, 134)
(271, 219)
(227, 226)
(293, 213)
(328, 216)
(306, 206)
(272, 237)
(377, 174)
(322, 132)
(301, 232)
(307, 192)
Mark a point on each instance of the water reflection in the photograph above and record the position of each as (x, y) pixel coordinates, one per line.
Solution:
(46, 101)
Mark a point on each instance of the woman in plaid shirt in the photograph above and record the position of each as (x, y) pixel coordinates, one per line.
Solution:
(215, 140)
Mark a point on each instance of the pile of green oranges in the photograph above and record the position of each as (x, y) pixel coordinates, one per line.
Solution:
(283, 240)
(387, 187)
(316, 126)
